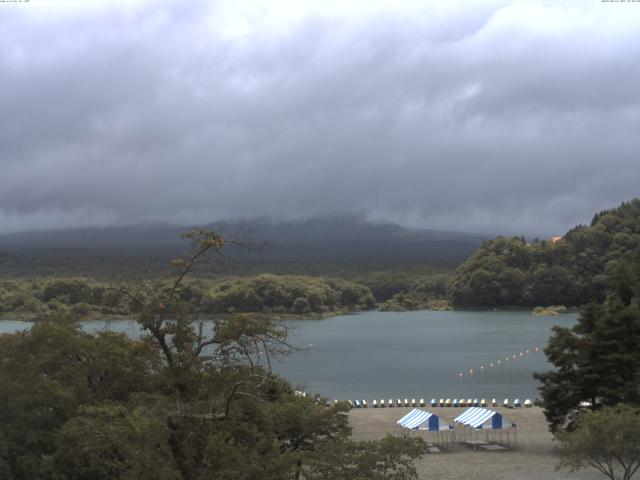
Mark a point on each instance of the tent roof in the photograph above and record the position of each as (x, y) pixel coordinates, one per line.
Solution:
(475, 417)
(415, 418)
(408, 415)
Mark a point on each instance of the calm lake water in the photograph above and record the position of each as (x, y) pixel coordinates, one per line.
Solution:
(421, 354)
(409, 354)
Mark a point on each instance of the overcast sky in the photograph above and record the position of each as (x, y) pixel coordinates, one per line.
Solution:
(498, 116)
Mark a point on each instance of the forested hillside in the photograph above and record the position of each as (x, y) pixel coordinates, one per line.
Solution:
(571, 271)
(347, 241)
(87, 298)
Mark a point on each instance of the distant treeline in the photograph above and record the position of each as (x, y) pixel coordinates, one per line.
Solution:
(87, 298)
(572, 271)
(419, 293)
(288, 294)
(385, 283)
(418, 288)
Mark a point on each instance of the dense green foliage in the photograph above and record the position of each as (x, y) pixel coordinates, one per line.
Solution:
(57, 380)
(416, 288)
(289, 294)
(191, 400)
(598, 360)
(388, 459)
(606, 440)
(415, 292)
(572, 271)
(385, 282)
(87, 298)
(39, 298)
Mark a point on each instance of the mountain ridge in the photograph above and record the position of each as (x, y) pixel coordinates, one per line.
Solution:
(318, 239)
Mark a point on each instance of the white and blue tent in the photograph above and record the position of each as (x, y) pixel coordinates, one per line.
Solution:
(477, 418)
(416, 418)
(421, 420)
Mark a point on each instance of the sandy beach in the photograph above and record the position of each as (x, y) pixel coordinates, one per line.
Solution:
(533, 457)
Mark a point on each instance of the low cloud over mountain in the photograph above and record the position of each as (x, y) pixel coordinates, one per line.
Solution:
(498, 116)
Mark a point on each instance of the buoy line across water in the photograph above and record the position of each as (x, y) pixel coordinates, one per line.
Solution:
(500, 361)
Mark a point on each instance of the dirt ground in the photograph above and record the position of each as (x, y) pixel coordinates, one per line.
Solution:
(534, 457)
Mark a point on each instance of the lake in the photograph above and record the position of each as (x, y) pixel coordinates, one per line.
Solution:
(410, 354)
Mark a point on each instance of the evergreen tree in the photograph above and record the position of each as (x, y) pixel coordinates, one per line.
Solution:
(598, 360)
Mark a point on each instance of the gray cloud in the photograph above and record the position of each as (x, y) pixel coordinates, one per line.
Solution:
(498, 117)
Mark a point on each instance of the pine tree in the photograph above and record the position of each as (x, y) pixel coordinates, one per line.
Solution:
(598, 360)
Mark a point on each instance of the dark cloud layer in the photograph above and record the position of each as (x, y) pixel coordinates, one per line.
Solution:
(497, 117)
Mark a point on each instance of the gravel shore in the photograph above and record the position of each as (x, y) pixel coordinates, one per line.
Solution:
(533, 457)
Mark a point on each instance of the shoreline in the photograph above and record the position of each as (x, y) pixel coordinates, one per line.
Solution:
(97, 316)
